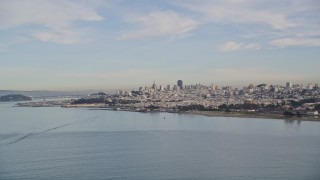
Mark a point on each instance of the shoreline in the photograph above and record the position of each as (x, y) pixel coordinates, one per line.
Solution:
(239, 114)
(255, 115)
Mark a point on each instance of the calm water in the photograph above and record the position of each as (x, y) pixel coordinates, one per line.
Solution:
(57, 143)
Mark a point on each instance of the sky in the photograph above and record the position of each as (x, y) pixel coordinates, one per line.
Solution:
(115, 44)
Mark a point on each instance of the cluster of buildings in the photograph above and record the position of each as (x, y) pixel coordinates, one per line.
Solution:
(289, 99)
(211, 97)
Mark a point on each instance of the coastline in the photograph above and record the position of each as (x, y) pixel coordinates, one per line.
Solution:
(239, 114)
(256, 115)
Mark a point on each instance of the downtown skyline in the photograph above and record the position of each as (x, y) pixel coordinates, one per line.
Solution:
(80, 45)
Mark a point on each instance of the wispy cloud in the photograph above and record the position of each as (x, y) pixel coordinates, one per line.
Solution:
(262, 20)
(230, 46)
(238, 11)
(295, 42)
(252, 46)
(53, 21)
(234, 46)
(67, 35)
(159, 23)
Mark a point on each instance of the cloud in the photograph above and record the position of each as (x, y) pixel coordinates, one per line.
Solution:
(234, 46)
(159, 23)
(230, 46)
(252, 46)
(260, 20)
(295, 42)
(53, 21)
(63, 36)
(238, 11)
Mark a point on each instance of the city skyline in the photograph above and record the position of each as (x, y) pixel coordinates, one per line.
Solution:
(81, 45)
(175, 86)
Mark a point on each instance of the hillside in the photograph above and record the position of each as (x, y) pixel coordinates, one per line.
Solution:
(14, 97)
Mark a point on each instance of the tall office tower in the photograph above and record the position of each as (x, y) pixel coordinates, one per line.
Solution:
(180, 84)
(154, 86)
(288, 85)
(161, 88)
(168, 87)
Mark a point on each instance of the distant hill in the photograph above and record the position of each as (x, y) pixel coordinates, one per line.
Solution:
(44, 93)
(37, 93)
(14, 97)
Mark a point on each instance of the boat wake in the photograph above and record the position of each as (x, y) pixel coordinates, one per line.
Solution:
(25, 136)
(21, 138)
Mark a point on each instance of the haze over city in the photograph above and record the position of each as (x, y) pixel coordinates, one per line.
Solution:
(79, 45)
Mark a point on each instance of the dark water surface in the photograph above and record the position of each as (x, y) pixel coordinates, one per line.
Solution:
(58, 143)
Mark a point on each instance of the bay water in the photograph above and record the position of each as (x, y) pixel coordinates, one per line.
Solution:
(79, 143)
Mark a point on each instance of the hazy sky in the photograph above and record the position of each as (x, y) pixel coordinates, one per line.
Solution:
(93, 44)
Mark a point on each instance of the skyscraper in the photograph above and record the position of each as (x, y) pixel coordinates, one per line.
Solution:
(154, 86)
(288, 85)
(168, 87)
(180, 84)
